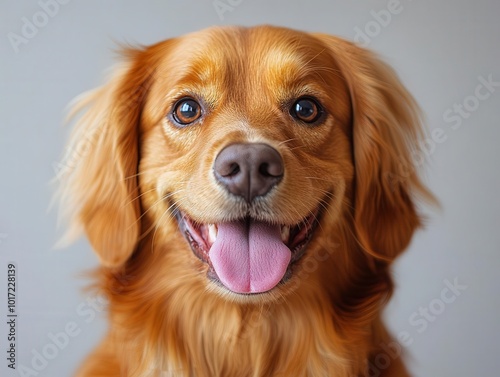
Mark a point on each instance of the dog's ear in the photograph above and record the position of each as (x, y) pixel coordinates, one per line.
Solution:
(386, 130)
(98, 188)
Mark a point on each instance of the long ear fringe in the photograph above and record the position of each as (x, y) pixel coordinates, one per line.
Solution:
(93, 133)
(66, 170)
(387, 130)
(400, 127)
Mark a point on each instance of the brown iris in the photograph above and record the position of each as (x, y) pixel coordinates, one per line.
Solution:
(186, 111)
(306, 110)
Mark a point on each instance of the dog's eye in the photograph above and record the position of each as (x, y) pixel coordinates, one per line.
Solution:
(306, 110)
(186, 111)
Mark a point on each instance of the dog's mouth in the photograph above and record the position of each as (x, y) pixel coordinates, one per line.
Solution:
(248, 256)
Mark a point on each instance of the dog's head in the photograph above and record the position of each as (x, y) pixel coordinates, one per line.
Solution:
(242, 156)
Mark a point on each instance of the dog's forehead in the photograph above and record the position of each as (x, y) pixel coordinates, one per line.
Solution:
(246, 59)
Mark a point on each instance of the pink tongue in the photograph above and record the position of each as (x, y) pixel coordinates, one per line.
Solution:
(249, 257)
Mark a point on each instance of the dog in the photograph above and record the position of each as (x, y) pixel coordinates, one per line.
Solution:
(246, 191)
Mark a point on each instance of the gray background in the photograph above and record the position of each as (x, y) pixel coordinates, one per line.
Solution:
(439, 48)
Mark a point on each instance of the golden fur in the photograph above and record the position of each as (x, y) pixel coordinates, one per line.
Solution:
(166, 318)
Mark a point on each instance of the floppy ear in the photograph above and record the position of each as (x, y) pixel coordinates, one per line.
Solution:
(99, 174)
(386, 129)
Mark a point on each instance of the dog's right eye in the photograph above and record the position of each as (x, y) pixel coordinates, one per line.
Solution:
(186, 111)
(306, 110)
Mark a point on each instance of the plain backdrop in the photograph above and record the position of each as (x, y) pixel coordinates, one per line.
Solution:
(443, 50)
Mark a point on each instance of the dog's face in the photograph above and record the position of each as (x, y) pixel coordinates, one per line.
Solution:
(240, 155)
(246, 142)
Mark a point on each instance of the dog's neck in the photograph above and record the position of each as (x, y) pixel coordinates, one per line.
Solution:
(195, 332)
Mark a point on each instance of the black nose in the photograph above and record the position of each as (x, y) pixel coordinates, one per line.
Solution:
(248, 170)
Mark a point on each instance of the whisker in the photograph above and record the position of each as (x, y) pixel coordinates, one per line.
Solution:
(167, 212)
(138, 196)
(319, 179)
(297, 147)
(151, 207)
(287, 141)
(144, 172)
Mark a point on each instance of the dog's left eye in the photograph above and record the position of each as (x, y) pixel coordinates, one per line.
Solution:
(306, 110)
(186, 111)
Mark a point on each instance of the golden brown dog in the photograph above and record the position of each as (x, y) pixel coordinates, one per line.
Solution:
(246, 190)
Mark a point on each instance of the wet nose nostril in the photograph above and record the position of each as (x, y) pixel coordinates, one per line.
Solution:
(233, 169)
(271, 169)
(249, 170)
(227, 169)
(264, 170)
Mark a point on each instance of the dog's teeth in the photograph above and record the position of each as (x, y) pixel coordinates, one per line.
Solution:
(285, 233)
(212, 233)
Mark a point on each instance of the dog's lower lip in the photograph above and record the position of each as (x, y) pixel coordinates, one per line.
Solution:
(202, 236)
